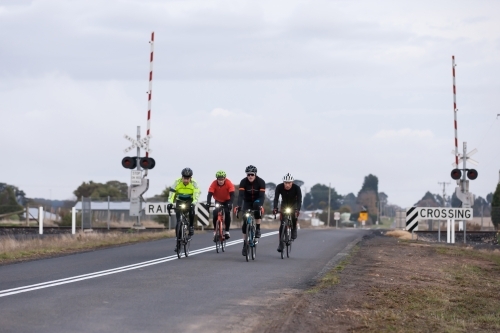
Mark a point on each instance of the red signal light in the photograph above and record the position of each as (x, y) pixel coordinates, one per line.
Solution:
(147, 163)
(456, 174)
(129, 162)
(472, 174)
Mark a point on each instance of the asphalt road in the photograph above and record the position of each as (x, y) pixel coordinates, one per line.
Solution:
(145, 288)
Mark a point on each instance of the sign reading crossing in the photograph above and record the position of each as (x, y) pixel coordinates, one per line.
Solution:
(142, 143)
(415, 214)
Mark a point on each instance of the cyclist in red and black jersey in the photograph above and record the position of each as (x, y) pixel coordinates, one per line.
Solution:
(222, 190)
(291, 197)
(252, 192)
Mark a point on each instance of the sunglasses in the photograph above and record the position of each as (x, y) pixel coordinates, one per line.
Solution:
(250, 174)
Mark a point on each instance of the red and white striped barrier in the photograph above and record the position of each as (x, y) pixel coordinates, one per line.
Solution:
(455, 110)
(150, 90)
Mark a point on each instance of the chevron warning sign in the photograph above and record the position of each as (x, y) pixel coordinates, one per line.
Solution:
(201, 212)
(412, 219)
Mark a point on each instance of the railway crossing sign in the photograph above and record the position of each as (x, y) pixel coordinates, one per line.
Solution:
(142, 143)
(414, 214)
(467, 157)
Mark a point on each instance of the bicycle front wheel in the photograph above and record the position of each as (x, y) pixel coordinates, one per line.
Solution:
(187, 242)
(283, 242)
(288, 249)
(179, 247)
(289, 240)
(247, 257)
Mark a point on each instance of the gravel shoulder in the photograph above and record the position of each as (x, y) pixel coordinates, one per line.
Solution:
(390, 285)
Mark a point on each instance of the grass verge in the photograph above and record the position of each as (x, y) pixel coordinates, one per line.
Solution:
(12, 250)
(331, 278)
(464, 298)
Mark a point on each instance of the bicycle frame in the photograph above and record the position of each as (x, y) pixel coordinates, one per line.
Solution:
(220, 227)
(250, 240)
(250, 221)
(181, 230)
(285, 237)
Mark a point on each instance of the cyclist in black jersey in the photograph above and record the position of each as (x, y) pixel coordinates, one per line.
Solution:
(291, 197)
(252, 192)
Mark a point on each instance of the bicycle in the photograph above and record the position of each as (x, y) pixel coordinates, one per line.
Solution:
(250, 241)
(220, 228)
(286, 238)
(183, 240)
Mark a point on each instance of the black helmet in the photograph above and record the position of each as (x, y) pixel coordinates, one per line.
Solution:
(251, 168)
(187, 172)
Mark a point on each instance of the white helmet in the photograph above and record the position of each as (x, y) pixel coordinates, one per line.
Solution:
(288, 177)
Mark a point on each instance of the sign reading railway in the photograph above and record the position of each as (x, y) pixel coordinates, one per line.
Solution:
(160, 208)
(156, 208)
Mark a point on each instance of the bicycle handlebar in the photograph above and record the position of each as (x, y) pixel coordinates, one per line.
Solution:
(247, 211)
(175, 208)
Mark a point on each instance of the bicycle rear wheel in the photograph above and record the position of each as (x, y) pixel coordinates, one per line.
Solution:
(288, 241)
(222, 237)
(217, 238)
(223, 244)
(247, 242)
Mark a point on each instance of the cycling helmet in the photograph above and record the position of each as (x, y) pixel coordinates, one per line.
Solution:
(187, 172)
(220, 174)
(251, 168)
(288, 177)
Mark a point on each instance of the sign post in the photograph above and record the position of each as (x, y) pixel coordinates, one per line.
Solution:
(336, 217)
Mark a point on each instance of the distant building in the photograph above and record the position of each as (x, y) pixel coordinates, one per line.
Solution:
(33, 215)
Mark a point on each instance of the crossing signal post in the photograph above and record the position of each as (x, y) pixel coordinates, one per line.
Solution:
(139, 184)
(462, 177)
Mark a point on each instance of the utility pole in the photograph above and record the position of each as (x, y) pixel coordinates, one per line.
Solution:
(329, 194)
(444, 190)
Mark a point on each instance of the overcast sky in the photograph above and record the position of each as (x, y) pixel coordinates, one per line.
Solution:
(330, 91)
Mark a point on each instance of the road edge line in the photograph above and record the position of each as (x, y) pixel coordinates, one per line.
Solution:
(336, 259)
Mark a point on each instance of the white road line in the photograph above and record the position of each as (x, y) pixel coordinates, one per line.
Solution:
(48, 284)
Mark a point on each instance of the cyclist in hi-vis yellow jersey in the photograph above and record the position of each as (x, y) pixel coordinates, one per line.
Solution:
(184, 190)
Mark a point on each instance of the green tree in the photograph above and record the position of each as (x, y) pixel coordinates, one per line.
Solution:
(114, 189)
(298, 182)
(489, 197)
(307, 204)
(8, 202)
(270, 190)
(495, 207)
(368, 195)
(344, 209)
(319, 197)
(370, 183)
(431, 200)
